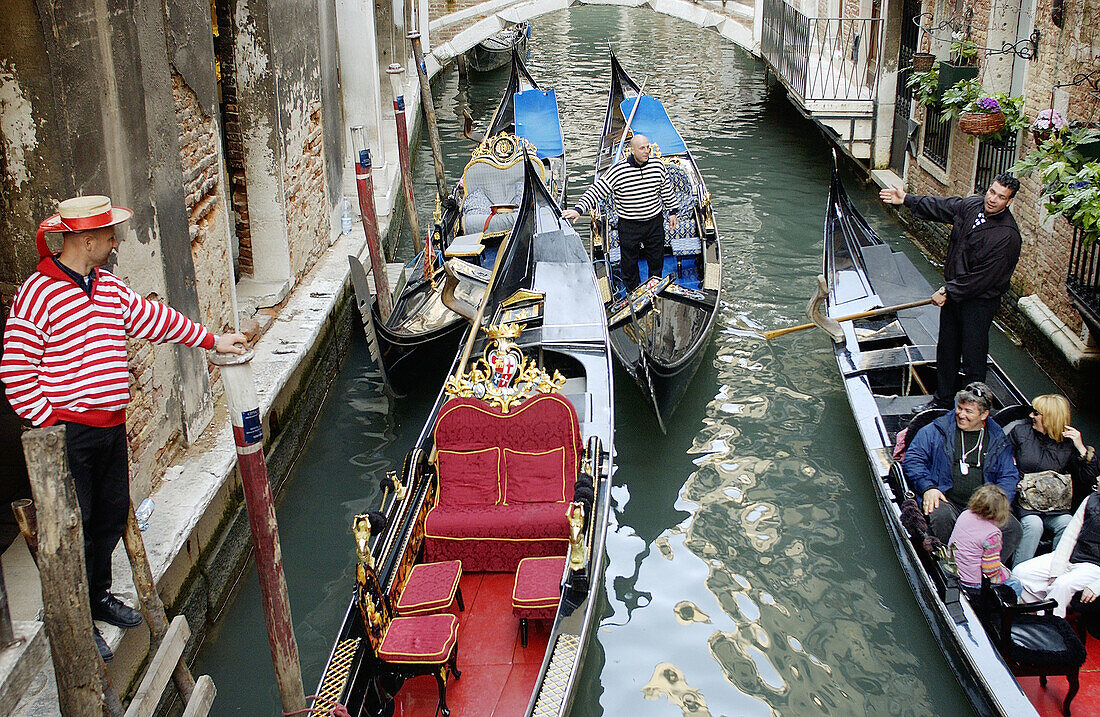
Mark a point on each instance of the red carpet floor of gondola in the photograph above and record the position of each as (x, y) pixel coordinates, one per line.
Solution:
(497, 673)
(1048, 700)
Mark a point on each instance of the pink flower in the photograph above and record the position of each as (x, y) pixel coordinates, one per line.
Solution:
(1049, 119)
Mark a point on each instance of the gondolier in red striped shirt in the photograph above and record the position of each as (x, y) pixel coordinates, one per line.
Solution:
(64, 361)
(639, 189)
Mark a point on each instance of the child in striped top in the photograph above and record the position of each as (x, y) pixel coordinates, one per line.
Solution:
(976, 539)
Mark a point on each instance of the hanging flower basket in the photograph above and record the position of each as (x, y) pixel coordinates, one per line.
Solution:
(981, 123)
(923, 61)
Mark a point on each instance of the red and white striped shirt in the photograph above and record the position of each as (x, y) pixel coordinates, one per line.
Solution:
(65, 352)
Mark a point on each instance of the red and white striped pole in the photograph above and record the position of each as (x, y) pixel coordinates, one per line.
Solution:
(364, 186)
(395, 72)
(248, 434)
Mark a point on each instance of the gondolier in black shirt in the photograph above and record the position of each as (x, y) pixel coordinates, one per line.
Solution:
(982, 252)
(640, 189)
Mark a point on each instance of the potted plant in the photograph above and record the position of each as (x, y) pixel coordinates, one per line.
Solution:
(922, 61)
(924, 85)
(959, 96)
(963, 65)
(1070, 181)
(1046, 123)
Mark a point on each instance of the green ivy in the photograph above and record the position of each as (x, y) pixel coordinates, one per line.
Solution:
(924, 84)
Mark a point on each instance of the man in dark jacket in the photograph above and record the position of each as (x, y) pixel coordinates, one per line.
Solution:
(954, 455)
(982, 252)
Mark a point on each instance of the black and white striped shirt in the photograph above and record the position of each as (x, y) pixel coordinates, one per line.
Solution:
(638, 190)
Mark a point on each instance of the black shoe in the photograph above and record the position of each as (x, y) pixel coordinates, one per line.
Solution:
(102, 646)
(113, 611)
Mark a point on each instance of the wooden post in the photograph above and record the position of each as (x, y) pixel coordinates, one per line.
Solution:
(64, 580)
(364, 187)
(151, 605)
(248, 434)
(7, 633)
(429, 114)
(395, 71)
(28, 524)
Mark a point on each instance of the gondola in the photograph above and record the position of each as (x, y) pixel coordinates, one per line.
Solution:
(494, 51)
(887, 364)
(505, 496)
(658, 332)
(469, 225)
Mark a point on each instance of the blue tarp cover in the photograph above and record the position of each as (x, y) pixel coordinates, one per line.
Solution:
(537, 121)
(651, 120)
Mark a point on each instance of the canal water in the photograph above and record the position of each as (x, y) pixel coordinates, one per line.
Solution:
(749, 570)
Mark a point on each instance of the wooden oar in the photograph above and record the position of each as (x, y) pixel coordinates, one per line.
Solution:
(637, 101)
(850, 317)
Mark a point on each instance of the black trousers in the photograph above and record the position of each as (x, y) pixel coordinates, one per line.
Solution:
(639, 239)
(99, 464)
(964, 336)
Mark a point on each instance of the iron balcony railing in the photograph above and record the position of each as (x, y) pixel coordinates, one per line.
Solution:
(822, 58)
(1083, 281)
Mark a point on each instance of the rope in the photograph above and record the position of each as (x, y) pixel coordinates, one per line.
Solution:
(337, 709)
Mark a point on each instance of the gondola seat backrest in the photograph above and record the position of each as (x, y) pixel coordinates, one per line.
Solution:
(684, 239)
(488, 183)
(505, 481)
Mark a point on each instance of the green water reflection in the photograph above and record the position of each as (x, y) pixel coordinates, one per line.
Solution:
(749, 572)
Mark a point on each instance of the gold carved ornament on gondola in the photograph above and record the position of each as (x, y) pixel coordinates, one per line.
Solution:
(503, 376)
(372, 610)
(503, 148)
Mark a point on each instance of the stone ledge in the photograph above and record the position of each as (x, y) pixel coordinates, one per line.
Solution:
(1076, 352)
(21, 662)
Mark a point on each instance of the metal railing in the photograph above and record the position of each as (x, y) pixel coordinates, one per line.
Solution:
(1083, 281)
(937, 136)
(822, 58)
(994, 157)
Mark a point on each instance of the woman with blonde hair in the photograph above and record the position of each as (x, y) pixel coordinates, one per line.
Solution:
(976, 539)
(1047, 451)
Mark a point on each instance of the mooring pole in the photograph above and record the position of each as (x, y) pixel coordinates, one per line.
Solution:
(64, 580)
(429, 113)
(364, 187)
(395, 72)
(7, 632)
(151, 605)
(248, 434)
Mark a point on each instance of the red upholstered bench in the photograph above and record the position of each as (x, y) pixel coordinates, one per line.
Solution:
(505, 482)
(431, 587)
(537, 591)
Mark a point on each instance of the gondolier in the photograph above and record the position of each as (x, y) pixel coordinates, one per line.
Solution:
(65, 361)
(982, 252)
(640, 189)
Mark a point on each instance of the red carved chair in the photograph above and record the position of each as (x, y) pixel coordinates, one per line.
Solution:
(537, 591)
(406, 647)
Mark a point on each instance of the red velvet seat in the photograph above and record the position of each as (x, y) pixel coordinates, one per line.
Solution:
(431, 587)
(537, 591)
(505, 480)
(423, 639)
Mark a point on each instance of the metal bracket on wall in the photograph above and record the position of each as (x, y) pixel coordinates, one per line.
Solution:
(1026, 49)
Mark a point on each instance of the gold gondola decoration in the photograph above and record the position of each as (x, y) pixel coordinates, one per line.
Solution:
(503, 376)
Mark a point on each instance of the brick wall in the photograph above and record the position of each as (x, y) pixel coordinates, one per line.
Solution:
(307, 208)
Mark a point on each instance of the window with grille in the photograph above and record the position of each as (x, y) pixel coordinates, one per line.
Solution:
(937, 136)
(994, 157)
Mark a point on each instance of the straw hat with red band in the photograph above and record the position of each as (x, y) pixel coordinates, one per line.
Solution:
(80, 214)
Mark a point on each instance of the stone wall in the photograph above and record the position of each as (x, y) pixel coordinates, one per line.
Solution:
(306, 198)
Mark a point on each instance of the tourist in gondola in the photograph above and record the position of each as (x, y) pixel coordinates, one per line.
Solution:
(982, 252)
(1057, 470)
(976, 540)
(957, 453)
(1073, 567)
(640, 189)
